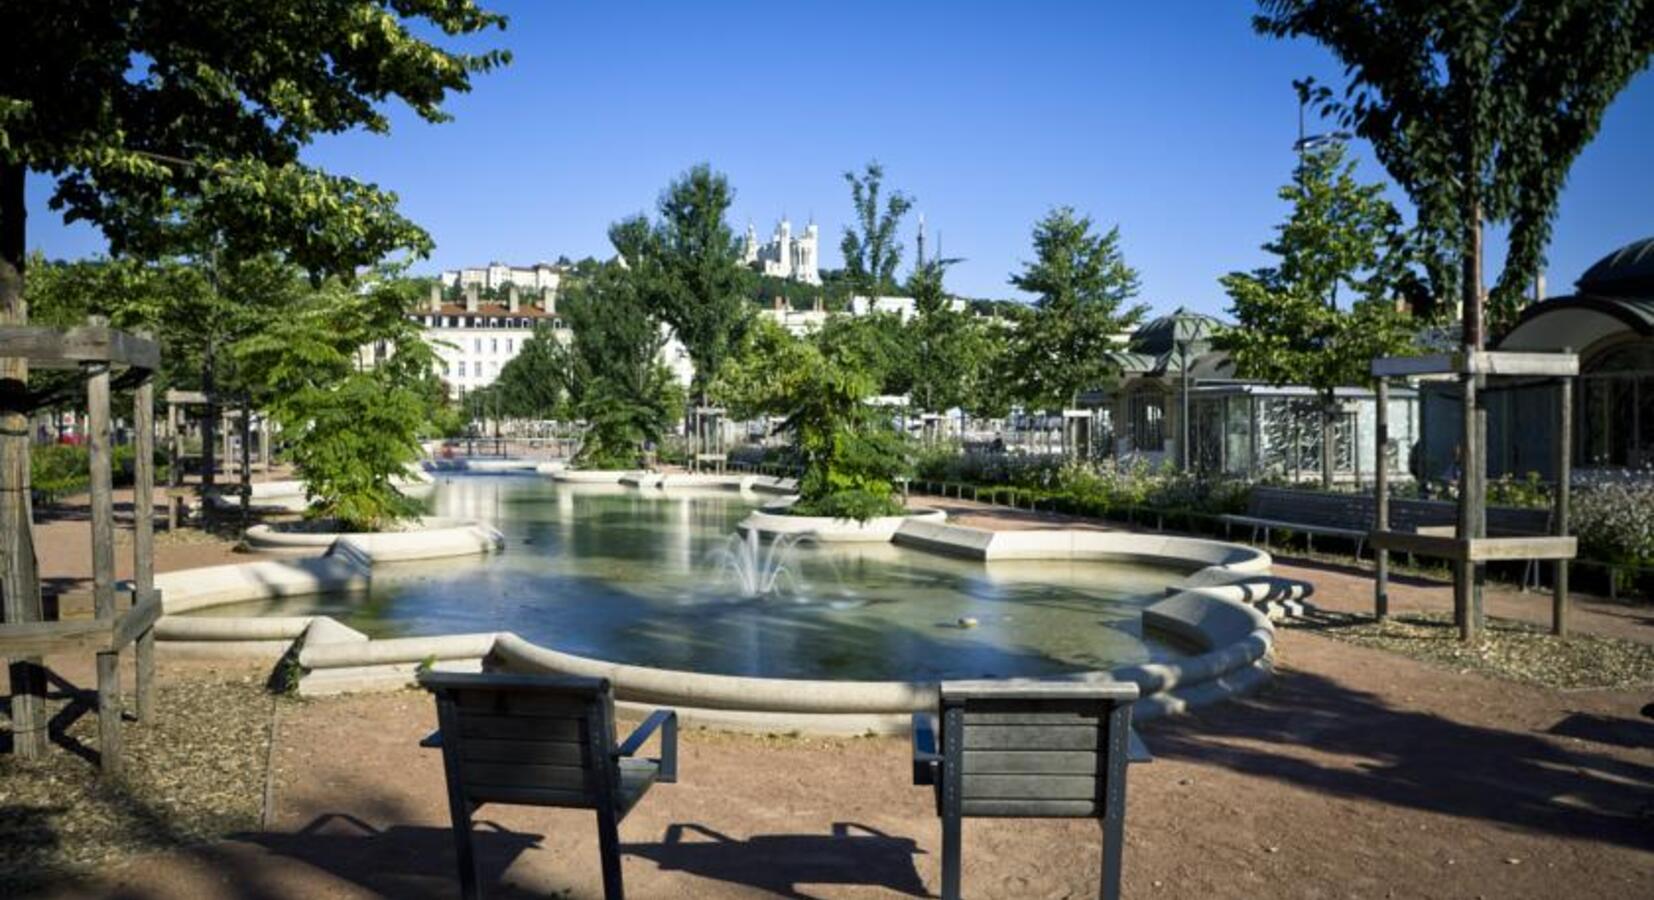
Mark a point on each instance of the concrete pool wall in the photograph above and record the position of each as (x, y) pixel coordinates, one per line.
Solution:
(1210, 611)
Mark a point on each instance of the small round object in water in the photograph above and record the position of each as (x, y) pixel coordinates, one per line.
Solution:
(967, 622)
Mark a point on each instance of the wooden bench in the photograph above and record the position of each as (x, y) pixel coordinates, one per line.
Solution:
(1028, 750)
(540, 740)
(1348, 516)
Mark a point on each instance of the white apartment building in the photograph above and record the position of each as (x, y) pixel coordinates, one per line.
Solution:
(537, 278)
(474, 340)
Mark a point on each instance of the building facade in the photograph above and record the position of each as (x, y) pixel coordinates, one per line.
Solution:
(785, 256)
(495, 276)
(475, 339)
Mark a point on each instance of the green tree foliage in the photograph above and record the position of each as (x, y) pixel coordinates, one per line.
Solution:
(1343, 240)
(1082, 284)
(1478, 108)
(615, 379)
(346, 374)
(139, 106)
(871, 251)
(946, 348)
(532, 385)
(688, 268)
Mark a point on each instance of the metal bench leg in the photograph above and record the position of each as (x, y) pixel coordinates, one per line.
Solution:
(951, 851)
(608, 840)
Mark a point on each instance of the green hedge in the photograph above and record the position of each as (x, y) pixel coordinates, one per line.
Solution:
(59, 470)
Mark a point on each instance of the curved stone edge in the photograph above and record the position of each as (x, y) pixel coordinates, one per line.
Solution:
(1234, 640)
(880, 530)
(438, 538)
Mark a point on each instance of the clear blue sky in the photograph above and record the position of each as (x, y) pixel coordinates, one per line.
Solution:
(1171, 119)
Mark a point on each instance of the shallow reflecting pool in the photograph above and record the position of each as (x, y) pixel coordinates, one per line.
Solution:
(631, 576)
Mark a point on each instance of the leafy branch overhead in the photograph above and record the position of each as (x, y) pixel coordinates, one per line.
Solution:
(1477, 108)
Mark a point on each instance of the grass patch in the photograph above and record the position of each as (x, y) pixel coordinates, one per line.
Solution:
(1513, 650)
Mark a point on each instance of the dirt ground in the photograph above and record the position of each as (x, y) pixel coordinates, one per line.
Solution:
(1356, 773)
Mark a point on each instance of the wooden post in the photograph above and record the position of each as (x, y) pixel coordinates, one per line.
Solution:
(1381, 505)
(103, 565)
(246, 462)
(175, 466)
(1478, 497)
(1466, 524)
(264, 442)
(143, 535)
(1564, 474)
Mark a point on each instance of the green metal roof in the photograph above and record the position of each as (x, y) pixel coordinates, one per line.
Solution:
(1627, 272)
(1161, 336)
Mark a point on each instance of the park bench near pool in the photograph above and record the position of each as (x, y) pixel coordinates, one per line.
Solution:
(1350, 516)
(543, 740)
(1028, 749)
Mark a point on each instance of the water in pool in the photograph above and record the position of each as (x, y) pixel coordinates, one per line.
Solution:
(635, 576)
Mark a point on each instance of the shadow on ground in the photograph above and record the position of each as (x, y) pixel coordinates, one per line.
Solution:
(1423, 761)
(779, 863)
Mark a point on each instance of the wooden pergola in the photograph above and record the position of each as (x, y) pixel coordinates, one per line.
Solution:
(177, 402)
(1469, 547)
(98, 352)
(706, 440)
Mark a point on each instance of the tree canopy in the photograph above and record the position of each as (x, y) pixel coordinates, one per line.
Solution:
(1342, 240)
(1477, 108)
(871, 251)
(688, 267)
(1082, 285)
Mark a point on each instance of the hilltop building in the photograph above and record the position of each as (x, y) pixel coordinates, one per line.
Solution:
(785, 256)
(496, 275)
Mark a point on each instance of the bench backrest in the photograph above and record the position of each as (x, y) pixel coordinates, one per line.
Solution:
(1330, 509)
(527, 739)
(1408, 515)
(1056, 750)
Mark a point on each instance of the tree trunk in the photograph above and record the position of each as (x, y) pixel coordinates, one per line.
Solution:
(209, 421)
(1329, 438)
(19, 572)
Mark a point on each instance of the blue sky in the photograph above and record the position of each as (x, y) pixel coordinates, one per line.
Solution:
(1172, 120)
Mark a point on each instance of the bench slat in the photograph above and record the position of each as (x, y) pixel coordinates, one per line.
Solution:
(542, 753)
(561, 778)
(533, 728)
(1030, 809)
(1030, 787)
(1030, 762)
(1031, 737)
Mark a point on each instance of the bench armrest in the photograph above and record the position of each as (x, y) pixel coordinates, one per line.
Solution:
(432, 741)
(666, 721)
(1136, 750)
(927, 756)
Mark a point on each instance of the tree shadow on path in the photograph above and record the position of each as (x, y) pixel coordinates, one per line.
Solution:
(1416, 759)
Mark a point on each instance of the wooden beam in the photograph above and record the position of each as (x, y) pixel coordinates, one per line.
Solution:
(1487, 549)
(28, 639)
(143, 539)
(1564, 477)
(134, 623)
(103, 501)
(186, 398)
(45, 346)
(1478, 362)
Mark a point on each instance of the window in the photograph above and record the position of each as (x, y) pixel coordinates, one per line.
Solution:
(462, 368)
(508, 343)
(476, 344)
(493, 345)
(1616, 408)
(1148, 421)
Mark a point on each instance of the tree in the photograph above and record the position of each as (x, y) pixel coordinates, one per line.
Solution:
(688, 267)
(351, 422)
(871, 251)
(947, 347)
(1342, 236)
(1478, 109)
(1082, 284)
(532, 384)
(617, 382)
(135, 105)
